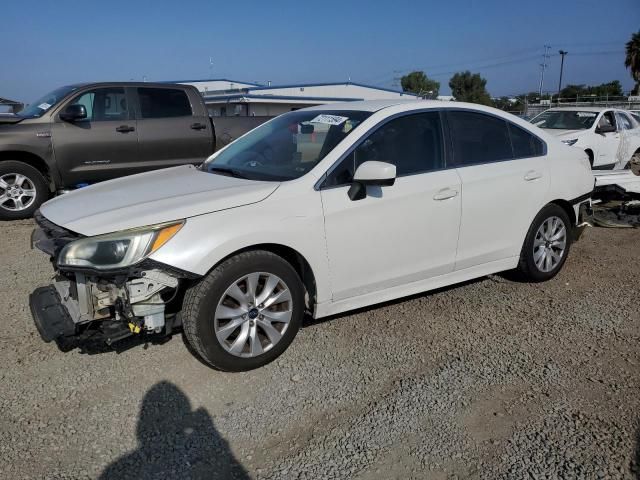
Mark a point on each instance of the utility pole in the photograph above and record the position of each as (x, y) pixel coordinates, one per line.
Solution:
(543, 67)
(562, 54)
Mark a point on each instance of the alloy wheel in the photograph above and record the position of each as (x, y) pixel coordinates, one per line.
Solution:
(550, 244)
(253, 314)
(17, 192)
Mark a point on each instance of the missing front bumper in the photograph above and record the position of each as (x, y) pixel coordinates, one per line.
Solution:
(51, 317)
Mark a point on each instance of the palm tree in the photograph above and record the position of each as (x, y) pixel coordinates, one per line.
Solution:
(632, 60)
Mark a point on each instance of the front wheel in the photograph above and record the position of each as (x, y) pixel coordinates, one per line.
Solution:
(546, 245)
(245, 312)
(22, 190)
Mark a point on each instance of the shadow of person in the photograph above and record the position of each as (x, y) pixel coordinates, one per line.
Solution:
(175, 442)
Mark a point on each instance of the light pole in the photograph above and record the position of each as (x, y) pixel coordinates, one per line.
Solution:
(562, 54)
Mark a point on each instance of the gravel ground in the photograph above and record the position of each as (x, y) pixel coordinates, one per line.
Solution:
(491, 379)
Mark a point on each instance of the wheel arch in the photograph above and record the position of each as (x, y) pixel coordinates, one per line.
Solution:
(291, 256)
(31, 159)
(568, 208)
(589, 152)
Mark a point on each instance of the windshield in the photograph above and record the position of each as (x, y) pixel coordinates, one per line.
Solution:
(288, 146)
(40, 106)
(565, 120)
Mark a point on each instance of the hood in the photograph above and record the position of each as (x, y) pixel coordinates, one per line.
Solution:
(150, 198)
(9, 118)
(565, 134)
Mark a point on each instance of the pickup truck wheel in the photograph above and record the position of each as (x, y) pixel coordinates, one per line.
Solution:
(22, 190)
(245, 312)
(546, 245)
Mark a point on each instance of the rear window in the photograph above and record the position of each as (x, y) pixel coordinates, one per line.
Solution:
(478, 138)
(163, 103)
(524, 144)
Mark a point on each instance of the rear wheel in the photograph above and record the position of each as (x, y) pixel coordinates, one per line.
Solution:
(546, 245)
(22, 190)
(245, 312)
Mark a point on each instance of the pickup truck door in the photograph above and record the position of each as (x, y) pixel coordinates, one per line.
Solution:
(99, 147)
(609, 144)
(173, 129)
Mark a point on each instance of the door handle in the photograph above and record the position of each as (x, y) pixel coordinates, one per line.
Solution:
(198, 126)
(125, 129)
(445, 193)
(532, 175)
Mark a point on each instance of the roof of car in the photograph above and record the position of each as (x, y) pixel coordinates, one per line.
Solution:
(127, 84)
(585, 109)
(375, 105)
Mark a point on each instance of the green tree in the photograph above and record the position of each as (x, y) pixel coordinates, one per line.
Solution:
(632, 59)
(470, 87)
(417, 82)
(610, 89)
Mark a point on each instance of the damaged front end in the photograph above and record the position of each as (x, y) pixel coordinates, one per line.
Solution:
(105, 288)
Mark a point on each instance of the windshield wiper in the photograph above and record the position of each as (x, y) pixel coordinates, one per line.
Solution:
(231, 172)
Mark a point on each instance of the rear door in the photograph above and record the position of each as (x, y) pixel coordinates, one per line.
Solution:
(101, 146)
(505, 181)
(171, 130)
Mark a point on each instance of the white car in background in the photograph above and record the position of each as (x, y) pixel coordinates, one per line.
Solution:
(609, 136)
(321, 210)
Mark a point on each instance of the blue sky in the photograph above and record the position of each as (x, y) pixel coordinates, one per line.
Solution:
(46, 44)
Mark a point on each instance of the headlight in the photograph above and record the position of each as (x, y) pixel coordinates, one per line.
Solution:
(117, 250)
(570, 142)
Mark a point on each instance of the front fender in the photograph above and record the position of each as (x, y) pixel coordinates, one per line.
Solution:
(206, 240)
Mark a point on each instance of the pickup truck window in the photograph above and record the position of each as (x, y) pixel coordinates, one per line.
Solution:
(286, 147)
(104, 104)
(40, 106)
(163, 103)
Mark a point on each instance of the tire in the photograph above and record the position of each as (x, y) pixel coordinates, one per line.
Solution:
(207, 302)
(17, 178)
(530, 267)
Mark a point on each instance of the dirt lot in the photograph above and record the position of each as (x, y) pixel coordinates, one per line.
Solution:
(491, 379)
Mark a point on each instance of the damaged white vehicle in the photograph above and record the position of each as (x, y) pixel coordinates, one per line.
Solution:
(609, 136)
(318, 211)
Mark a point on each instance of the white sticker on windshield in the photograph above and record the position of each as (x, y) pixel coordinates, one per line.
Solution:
(44, 106)
(585, 114)
(329, 119)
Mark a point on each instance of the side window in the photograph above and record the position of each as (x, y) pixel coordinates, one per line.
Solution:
(413, 143)
(104, 104)
(607, 120)
(478, 138)
(163, 103)
(624, 121)
(524, 143)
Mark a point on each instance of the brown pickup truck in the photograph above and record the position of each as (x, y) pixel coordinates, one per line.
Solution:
(86, 133)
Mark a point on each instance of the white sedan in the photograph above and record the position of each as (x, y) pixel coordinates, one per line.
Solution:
(609, 136)
(321, 210)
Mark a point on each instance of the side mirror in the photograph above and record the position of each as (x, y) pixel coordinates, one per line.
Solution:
(381, 174)
(73, 112)
(605, 129)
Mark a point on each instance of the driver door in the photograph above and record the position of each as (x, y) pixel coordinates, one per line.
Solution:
(609, 144)
(101, 146)
(397, 234)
